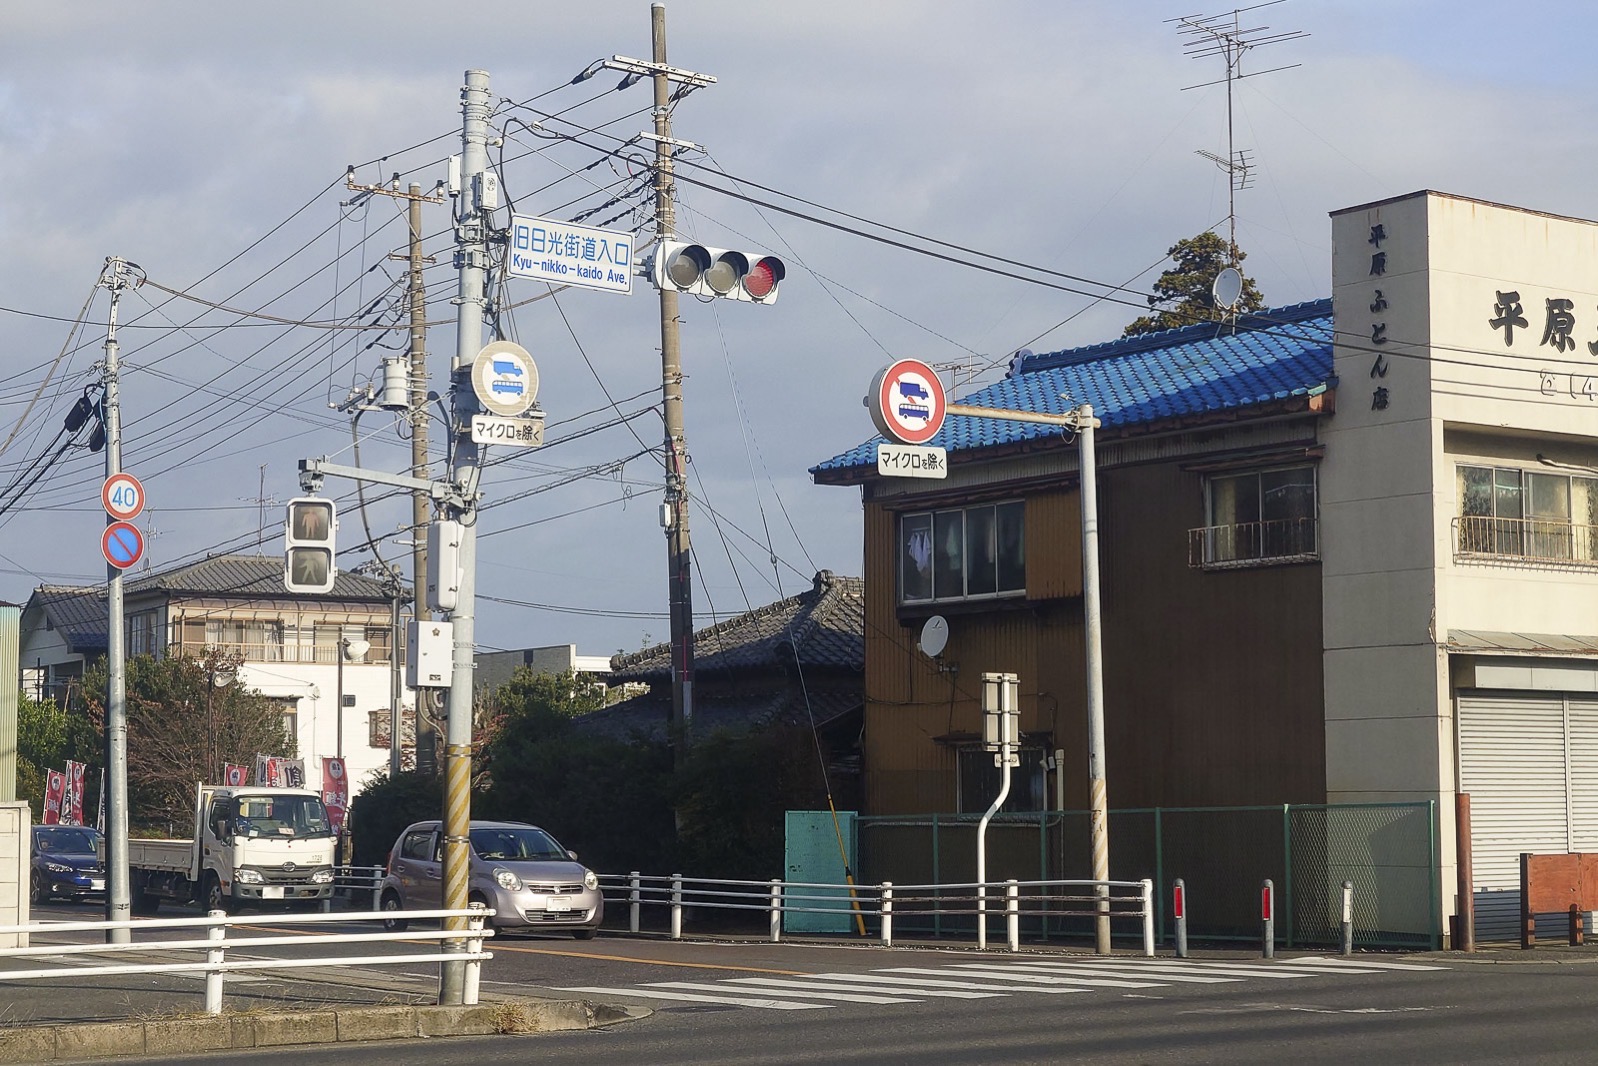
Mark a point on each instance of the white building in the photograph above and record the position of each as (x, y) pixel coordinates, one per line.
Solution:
(290, 643)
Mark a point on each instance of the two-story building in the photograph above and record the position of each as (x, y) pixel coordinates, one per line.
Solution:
(326, 659)
(1349, 554)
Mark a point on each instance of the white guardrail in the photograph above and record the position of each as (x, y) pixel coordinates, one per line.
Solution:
(460, 945)
(1125, 900)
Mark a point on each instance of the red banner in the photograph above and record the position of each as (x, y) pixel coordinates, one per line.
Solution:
(55, 784)
(234, 774)
(72, 794)
(335, 791)
(277, 771)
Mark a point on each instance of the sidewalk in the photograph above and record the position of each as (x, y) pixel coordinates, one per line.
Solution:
(62, 1019)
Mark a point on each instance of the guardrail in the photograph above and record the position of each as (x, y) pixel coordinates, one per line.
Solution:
(352, 880)
(459, 945)
(1052, 899)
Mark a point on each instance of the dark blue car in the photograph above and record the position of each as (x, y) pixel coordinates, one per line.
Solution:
(68, 860)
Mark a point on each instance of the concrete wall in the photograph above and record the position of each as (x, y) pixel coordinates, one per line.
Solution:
(15, 820)
(10, 619)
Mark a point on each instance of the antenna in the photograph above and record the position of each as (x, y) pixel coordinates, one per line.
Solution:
(1225, 35)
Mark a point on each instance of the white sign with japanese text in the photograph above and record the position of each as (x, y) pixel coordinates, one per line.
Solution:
(905, 460)
(564, 253)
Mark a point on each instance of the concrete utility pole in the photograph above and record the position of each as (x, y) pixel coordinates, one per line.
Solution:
(471, 238)
(118, 891)
(426, 744)
(1098, 793)
(679, 557)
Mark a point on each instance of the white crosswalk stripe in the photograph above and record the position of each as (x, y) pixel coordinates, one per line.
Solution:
(993, 978)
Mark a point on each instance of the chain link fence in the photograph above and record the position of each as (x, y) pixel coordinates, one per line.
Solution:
(1388, 851)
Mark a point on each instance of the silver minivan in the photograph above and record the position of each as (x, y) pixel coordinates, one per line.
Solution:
(519, 870)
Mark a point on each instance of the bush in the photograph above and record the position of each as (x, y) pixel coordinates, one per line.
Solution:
(386, 806)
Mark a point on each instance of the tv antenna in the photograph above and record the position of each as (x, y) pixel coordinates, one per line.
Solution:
(1225, 35)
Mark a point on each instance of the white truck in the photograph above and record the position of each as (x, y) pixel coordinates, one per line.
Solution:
(251, 845)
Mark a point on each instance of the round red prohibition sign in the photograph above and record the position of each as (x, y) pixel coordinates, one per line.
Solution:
(122, 544)
(907, 402)
(122, 496)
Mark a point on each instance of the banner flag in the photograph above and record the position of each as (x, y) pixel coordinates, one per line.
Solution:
(276, 771)
(99, 819)
(55, 784)
(234, 774)
(335, 791)
(72, 794)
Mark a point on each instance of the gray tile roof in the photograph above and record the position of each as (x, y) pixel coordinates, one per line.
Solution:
(823, 627)
(648, 717)
(249, 577)
(77, 612)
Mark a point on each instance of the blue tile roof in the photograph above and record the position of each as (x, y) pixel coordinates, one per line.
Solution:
(1272, 355)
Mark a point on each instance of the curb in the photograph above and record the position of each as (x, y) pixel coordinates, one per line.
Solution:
(229, 1031)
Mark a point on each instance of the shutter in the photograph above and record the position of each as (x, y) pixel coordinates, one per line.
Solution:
(1584, 774)
(1512, 762)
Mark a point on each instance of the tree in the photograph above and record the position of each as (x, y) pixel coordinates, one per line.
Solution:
(1182, 295)
(47, 736)
(187, 716)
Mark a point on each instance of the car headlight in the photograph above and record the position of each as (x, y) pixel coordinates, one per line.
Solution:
(507, 879)
(248, 877)
(58, 868)
(590, 880)
(322, 877)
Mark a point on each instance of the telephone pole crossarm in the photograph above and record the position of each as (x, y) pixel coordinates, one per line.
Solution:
(445, 493)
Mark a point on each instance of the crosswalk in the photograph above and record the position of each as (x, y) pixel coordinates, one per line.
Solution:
(897, 985)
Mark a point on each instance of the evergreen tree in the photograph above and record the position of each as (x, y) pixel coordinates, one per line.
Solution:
(1182, 295)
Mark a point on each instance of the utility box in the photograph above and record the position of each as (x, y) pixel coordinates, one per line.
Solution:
(444, 564)
(429, 654)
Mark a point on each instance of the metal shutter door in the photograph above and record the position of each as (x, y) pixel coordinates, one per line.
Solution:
(1512, 762)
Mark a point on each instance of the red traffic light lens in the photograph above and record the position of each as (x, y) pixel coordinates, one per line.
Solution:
(762, 278)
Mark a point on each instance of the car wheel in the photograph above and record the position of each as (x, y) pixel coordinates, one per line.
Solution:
(392, 908)
(583, 934)
(141, 901)
(215, 898)
(36, 890)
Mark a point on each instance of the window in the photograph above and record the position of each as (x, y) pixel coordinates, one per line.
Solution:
(980, 780)
(141, 633)
(963, 553)
(256, 641)
(1259, 517)
(1527, 514)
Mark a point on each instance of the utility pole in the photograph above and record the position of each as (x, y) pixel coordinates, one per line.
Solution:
(118, 895)
(426, 740)
(674, 512)
(472, 221)
(1098, 792)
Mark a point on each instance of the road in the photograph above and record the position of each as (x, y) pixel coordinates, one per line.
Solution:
(754, 1003)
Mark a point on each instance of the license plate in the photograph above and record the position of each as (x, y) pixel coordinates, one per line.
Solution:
(97, 884)
(272, 892)
(558, 903)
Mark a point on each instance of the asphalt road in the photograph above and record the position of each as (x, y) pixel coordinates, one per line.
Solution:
(753, 1003)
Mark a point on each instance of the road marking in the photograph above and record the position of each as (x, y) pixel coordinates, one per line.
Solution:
(846, 997)
(924, 984)
(1196, 974)
(646, 993)
(1082, 973)
(1223, 966)
(502, 946)
(995, 972)
(1348, 967)
(843, 983)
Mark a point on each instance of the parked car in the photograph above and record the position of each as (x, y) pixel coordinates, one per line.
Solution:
(68, 860)
(520, 871)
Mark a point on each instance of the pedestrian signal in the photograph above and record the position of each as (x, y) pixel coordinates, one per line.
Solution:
(308, 529)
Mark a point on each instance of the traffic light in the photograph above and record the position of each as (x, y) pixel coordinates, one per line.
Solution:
(308, 545)
(702, 271)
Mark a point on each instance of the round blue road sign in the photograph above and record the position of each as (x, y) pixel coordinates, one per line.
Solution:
(122, 544)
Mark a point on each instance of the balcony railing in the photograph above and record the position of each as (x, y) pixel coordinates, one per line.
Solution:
(326, 654)
(1532, 540)
(1286, 540)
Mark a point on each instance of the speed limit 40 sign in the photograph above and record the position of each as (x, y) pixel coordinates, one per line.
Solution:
(123, 496)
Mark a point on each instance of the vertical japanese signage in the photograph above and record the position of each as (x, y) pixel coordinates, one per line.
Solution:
(1379, 308)
(335, 791)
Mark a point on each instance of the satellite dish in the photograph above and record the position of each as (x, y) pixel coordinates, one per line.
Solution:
(1228, 288)
(934, 636)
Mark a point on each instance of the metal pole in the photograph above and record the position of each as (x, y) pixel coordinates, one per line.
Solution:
(995, 700)
(215, 932)
(472, 239)
(1147, 887)
(1012, 915)
(1348, 918)
(887, 914)
(1179, 910)
(1098, 790)
(426, 740)
(1466, 905)
(1268, 919)
(118, 898)
(679, 558)
(775, 916)
(396, 688)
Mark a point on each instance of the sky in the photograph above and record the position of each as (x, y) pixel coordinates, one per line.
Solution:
(208, 143)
